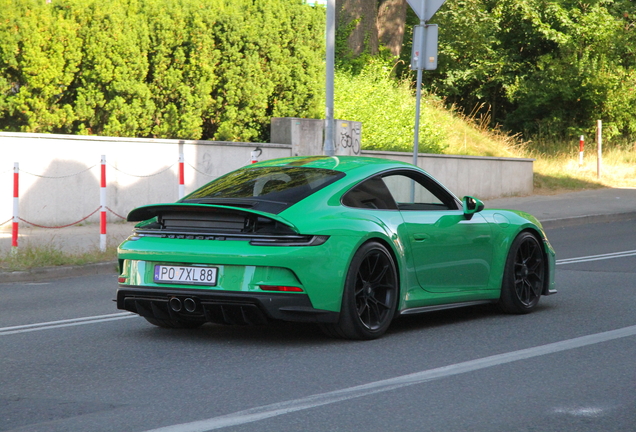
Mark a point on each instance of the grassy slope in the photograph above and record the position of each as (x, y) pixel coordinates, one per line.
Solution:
(554, 170)
(387, 108)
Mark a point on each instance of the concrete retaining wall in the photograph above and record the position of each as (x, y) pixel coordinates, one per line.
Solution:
(60, 174)
(306, 136)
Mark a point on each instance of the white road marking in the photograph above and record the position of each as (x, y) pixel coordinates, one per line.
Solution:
(596, 257)
(581, 411)
(281, 408)
(64, 323)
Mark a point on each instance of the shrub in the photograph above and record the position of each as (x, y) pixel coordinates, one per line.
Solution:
(386, 108)
(159, 68)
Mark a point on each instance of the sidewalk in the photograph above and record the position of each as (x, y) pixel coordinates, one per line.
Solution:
(573, 208)
(554, 211)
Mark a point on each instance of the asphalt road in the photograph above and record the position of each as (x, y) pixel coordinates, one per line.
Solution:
(567, 367)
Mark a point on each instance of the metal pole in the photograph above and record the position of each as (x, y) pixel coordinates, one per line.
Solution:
(416, 129)
(418, 96)
(330, 64)
(416, 132)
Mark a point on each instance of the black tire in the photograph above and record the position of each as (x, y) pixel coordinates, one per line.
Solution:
(174, 324)
(524, 275)
(370, 295)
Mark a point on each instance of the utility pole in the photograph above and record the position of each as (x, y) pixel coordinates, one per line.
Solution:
(330, 65)
(423, 55)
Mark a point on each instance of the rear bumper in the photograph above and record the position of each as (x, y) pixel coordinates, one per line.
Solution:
(238, 308)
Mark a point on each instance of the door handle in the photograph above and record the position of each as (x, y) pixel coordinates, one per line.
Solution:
(421, 237)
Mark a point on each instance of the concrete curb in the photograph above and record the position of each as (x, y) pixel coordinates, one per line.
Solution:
(61, 272)
(588, 219)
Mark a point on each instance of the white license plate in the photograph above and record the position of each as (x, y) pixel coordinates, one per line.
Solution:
(185, 275)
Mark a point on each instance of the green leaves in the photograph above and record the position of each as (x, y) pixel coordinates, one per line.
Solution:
(39, 57)
(270, 65)
(159, 68)
(545, 68)
(182, 57)
(386, 109)
(111, 93)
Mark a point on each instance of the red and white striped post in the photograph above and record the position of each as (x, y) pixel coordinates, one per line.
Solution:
(181, 172)
(599, 148)
(102, 203)
(581, 143)
(16, 207)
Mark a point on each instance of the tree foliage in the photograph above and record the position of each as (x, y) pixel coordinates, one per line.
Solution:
(221, 69)
(545, 68)
(366, 28)
(542, 68)
(186, 69)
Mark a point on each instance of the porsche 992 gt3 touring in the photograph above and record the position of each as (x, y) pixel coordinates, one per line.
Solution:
(349, 243)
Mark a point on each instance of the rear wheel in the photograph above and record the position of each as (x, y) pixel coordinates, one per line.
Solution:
(524, 275)
(370, 295)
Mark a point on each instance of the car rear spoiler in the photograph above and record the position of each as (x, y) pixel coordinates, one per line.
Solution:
(156, 210)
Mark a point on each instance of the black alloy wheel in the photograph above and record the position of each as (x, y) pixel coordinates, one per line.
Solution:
(524, 275)
(370, 295)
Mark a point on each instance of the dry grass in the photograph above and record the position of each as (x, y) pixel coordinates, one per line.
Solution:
(564, 173)
(555, 171)
(561, 171)
(28, 257)
(469, 135)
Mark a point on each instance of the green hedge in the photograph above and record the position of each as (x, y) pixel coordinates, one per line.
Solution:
(159, 68)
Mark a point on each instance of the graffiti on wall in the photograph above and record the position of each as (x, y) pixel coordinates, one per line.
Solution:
(348, 138)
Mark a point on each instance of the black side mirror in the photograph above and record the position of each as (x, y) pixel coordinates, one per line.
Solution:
(471, 206)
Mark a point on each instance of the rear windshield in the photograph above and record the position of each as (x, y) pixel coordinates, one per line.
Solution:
(269, 189)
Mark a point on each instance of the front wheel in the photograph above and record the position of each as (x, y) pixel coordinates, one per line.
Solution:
(370, 295)
(524, 275)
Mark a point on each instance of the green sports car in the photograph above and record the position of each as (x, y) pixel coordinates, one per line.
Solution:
(349, 243)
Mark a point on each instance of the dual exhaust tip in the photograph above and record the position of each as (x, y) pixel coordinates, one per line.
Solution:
(177, 305)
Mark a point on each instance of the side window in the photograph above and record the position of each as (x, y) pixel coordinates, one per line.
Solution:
(418, 193)
(372, 194)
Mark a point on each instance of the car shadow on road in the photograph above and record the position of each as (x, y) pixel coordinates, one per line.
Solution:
(488, 314)
(298, 334)
(275, 333)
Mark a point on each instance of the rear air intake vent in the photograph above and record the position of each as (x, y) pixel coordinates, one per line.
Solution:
(202, 222)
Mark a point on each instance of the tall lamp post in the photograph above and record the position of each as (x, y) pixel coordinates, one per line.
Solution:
(330, 65)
